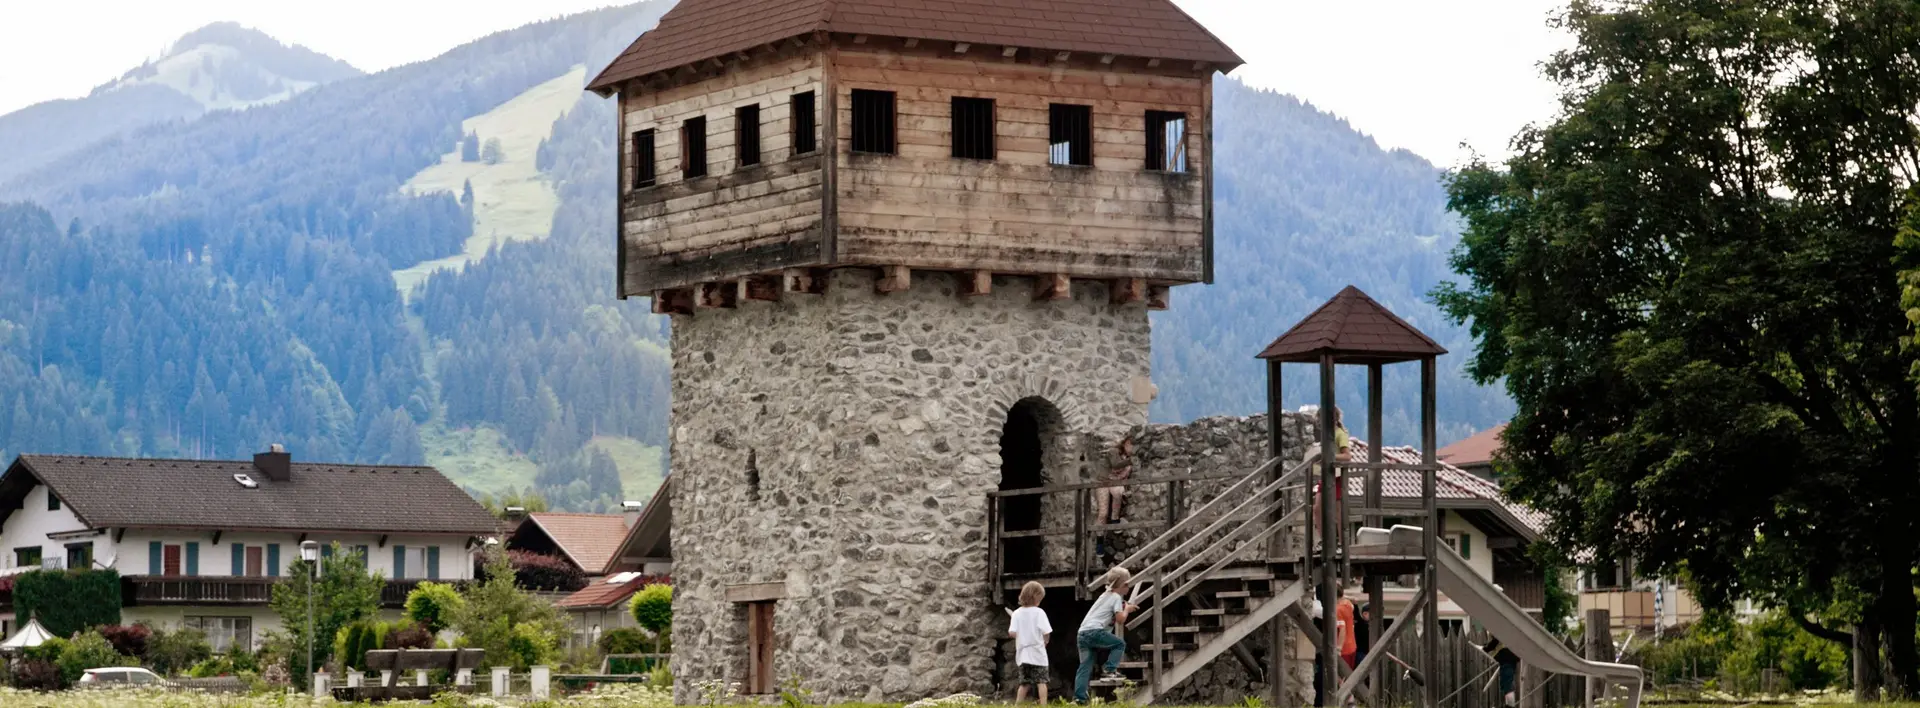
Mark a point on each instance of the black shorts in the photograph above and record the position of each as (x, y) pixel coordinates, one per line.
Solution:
(1031, 675)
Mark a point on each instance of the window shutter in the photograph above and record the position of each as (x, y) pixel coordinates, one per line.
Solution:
(239, 559)
(273, 560)
(154, 565)
(193, 558)
(433, 562)
(399, 562)
(1466, 546)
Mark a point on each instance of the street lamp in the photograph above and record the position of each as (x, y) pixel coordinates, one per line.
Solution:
(310, 552)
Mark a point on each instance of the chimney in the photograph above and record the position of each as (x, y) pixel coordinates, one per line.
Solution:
(631, 510)
(516, 513)
(274, 464)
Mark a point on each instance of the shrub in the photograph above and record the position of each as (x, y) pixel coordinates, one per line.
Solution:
(217, 666)
(408, 636)
(625, 640)
(68, 601)
(530, 644)
(434, 605)
(652, 608)
(351, 644)
(495, 608)
(37, 675)
(48, 651)
(128, 639)
(88, 650)
(535, 571)
(171, 652)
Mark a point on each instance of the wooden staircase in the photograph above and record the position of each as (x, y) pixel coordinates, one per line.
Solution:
(1210, 581)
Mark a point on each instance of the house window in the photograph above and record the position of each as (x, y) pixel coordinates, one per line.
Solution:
(80, 555)
(53, 501)
(873, 129)
(693, 147)
(1070, 135)
(26, 557)
(1465, 546)
(644, 171)
(746, 134)
(759, 647)
(803, 123)
(973, 128)
(224, 633)
(1166, 141)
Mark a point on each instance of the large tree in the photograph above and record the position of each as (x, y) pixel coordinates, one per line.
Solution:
(1687, 281)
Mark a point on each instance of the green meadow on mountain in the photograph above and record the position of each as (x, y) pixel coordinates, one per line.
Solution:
(416, 266)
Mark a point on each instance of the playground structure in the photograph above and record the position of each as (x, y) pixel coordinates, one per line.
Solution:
(1239, 566)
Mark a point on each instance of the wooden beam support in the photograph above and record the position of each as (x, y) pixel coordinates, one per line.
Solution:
(893, 279)
(975, 283)
(1057, 286)
(712, 295)
(216, 537)
(383, 541)
(1008, 52)
(678, 301)
(913, 42)
(961, 47)
(1153, 63)
(859, 39)
(1062, 56)
(1200, 65)
(1159, 297)
(1127, 291)
(765, 288)
(809, 281)
(1106, 58)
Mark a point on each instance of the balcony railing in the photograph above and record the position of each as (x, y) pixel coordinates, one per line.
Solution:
(232, 590)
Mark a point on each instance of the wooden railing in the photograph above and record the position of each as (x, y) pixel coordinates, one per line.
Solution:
(232, 590)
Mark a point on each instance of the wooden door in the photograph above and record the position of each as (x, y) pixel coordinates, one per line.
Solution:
(256, 564)
(170, 560)
(759, 647)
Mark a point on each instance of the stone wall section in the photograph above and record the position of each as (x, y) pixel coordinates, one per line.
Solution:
(872, 424)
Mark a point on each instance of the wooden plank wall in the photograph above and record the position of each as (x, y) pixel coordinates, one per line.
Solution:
(734, 220)
(1017, 213)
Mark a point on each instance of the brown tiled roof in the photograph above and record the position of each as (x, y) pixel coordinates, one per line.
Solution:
(1476, 450)
(1452, 486)
(602, 593)
(110, 492)
(1355, 329)
(697, 30)
(588, 540)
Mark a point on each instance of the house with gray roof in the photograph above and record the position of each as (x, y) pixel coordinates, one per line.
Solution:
(200, 543)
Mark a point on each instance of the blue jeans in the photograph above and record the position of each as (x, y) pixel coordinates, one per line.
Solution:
(1089, 642)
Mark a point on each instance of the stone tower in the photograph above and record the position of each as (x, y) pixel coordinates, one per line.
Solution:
(909, 249)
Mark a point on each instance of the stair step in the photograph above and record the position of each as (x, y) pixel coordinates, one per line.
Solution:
(1182, 630)
(1218, 611)
(1175, 646)
(1124, 665)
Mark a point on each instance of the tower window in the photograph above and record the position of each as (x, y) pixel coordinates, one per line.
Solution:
(746, 134)
(1166, 141)
(873, 122)
(644, 172)
(753, 476)
(803, 123)
(693, 147)
(1070, 135)
(973, 128)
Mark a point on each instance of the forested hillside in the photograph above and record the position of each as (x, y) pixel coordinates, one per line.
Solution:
(1305, 205)
(204, 288)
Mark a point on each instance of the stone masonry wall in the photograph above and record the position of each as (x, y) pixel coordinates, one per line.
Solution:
(843, 445)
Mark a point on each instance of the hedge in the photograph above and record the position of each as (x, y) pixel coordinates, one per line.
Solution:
(68, 601)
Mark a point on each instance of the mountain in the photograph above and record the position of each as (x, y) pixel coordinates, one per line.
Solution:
(415, 266)
(222, 66)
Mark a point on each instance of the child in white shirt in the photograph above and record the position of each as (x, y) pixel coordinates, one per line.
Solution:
(1030, 630)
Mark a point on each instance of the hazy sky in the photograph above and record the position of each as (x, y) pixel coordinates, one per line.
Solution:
(1417, 74)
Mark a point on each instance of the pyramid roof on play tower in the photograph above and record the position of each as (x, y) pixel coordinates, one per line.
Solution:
(697, 30)
(1355, 330)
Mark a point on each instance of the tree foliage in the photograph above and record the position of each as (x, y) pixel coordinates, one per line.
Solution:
(68, 601)
(514, 627)
(347, 592)
(171, 651)
(89, 650)
(1687, 282)
(434, 605)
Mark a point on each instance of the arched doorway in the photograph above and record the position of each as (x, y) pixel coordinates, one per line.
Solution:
(1025, 440)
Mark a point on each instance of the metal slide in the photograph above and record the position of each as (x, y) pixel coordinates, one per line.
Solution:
(1492, 608)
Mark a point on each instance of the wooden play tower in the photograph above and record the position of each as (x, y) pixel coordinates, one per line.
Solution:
(1353, 330)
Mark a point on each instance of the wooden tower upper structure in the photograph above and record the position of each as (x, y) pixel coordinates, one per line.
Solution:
(764, 141)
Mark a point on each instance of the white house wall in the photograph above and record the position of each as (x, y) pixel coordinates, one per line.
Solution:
(217, 559)
(29, 525)
(1482, 557)
(173, 617)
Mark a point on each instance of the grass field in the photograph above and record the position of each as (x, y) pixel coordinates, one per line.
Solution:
(512, 200)
(479, 458)
(640, 473)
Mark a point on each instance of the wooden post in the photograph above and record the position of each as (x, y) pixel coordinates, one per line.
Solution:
(1328, 578)
(1277, 647)
(1056, 286)
(1429, 538)
(1276, 446)
(893, 279)
(1080, 501)
(975, 283)
(1599, 648)
(993, 548)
